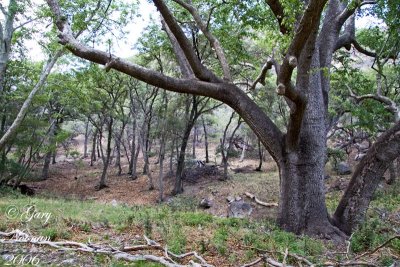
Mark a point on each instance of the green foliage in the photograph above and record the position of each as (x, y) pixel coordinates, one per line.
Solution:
(335, 156)
(50, 233)
(219, 240)
(196, 219)
(367, 236)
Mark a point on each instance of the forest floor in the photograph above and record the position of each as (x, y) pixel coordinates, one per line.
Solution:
(126, 211)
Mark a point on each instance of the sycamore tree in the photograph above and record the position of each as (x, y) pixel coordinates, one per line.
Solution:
(310, 32)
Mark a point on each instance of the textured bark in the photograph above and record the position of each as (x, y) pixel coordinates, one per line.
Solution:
(366, 178)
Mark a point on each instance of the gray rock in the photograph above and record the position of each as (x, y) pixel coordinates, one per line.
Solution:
(239, 209)
(68, 262)
(343, 168)
(206, 203)
(238, 198)
(230, 199)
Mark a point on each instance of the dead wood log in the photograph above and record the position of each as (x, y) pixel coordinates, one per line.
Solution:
(262, 203)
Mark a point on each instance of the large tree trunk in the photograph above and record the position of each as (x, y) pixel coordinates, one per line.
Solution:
(366, 178)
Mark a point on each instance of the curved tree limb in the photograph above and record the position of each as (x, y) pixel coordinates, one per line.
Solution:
(388, 103)
(211, 38)
(183, 63)
(199, 70)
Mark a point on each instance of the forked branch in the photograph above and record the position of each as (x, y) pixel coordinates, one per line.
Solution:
(211, 38)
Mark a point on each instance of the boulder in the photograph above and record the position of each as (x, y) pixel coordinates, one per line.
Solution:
(343, 168)
(239, 209)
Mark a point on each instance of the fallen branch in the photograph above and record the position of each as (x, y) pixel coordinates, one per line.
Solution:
(21, 237)
(252, 263)
(285, 254)
(262, 203)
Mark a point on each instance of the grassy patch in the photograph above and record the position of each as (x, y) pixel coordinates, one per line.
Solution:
(182, 228)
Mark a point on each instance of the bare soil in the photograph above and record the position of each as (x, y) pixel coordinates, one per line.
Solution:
(75, 178)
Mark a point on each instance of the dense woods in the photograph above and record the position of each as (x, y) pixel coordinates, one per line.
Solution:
(214, 100)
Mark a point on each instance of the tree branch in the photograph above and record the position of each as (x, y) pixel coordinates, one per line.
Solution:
(262, 76)
(211, 38)
(350, 9)
(24, 109)
(199, 70)
(183, 63)
(279, 13)
(3, 10)
(388, 103)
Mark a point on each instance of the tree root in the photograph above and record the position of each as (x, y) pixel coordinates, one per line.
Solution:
(18, 237)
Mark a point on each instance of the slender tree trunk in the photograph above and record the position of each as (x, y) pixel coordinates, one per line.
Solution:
(118, 141)
(24, 109)
(194, 141)
(54, 156)
(243, 150)
(133, 162)
(93, 157)
(145, 151)
(85, 143)
(260, 156)
(47, 158)
(6, 35)
(162, 146)
(205, 139)
(106, 158)
(178, 189)
(171, 156)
